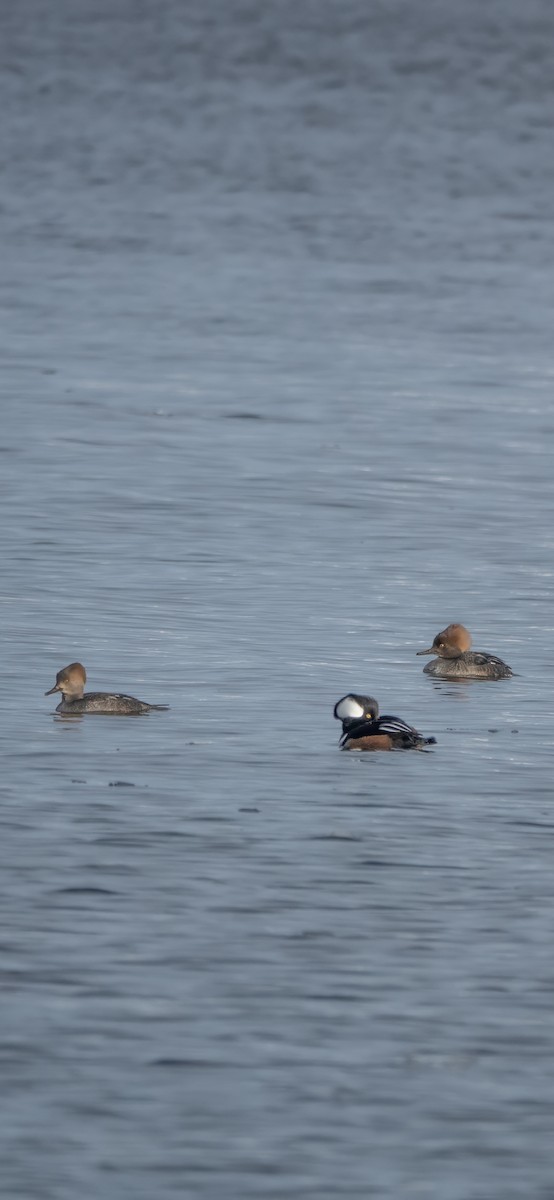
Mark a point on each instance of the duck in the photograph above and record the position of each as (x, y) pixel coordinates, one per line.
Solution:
(70, 681)
(456, 660)
(364, 729)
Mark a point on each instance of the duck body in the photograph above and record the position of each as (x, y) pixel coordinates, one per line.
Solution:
(70, 681)
(472, 665)
(455, 659)
(107, 703)
(364, 729)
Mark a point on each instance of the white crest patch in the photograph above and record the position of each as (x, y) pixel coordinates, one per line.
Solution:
(348, 708)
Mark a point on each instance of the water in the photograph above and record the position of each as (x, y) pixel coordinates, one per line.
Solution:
(277, 406)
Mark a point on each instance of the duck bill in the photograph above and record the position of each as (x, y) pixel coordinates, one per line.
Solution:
(52, 690)
(431, 651)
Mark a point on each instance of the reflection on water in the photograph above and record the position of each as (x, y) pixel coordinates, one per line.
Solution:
(277, 300)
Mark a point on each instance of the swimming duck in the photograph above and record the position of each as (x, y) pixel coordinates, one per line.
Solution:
(364, 729)
(456, 661)
(70, 681)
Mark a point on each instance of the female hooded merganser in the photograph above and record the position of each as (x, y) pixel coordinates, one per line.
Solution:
(364, 729)
(456, 660)
(71, 683)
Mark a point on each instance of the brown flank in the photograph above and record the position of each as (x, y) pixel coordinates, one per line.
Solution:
(377, 741)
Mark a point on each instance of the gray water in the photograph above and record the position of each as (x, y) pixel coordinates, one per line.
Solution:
(277, 300)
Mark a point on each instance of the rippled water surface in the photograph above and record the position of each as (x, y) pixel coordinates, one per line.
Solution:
(277, 375)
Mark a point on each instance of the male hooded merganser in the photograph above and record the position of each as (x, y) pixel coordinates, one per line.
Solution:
(364, 729)
(456, 660)
(71, 683)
